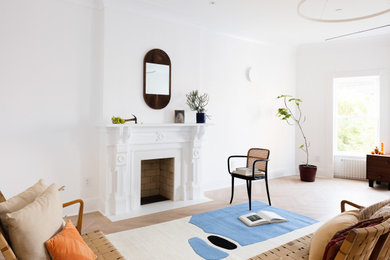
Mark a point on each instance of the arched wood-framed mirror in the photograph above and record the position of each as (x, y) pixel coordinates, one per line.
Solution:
(157, 79)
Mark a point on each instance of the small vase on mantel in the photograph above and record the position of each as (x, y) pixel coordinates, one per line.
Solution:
(198, 102)
(201, 118)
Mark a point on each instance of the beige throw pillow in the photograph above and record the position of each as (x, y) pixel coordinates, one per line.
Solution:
(32, 226)
(20, 201)
(367, 212)
(325, 233)
(382, 212)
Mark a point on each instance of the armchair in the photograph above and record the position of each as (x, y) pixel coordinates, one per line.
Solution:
(256, 169)
(96, 240)
(367, 243)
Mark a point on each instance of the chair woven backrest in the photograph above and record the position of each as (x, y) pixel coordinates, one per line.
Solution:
(2, 198)
(255, 154)
(6, 250)
(382, 248)
(366, 243)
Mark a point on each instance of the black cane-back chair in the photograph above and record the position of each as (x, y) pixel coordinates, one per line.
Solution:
(256, 169)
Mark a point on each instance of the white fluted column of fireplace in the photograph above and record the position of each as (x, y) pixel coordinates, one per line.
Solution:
(123, 149)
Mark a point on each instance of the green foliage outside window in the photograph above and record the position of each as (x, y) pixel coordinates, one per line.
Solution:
(356, 119)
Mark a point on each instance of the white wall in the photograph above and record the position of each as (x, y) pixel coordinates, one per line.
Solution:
(66, 67)
(317, 64)
(242, 113)
(48, 96)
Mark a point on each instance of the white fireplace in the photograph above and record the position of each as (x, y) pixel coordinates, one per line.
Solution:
(126, 146)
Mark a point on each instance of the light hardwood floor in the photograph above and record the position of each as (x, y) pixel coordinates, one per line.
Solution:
(319, 200)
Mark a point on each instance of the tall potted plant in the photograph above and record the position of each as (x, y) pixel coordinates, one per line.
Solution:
(286, 113)
(198, 103)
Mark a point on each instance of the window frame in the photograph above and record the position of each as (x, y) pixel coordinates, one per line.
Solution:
(336, 116)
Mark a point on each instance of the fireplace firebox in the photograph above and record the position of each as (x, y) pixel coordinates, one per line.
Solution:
(157, 180)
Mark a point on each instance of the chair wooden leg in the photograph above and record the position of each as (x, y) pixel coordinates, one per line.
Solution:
(231, 198)
(249, 190)
(266, 186)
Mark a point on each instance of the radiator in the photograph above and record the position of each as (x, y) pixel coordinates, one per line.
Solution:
(350, 168)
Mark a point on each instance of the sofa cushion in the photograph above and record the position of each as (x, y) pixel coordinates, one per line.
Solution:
(68, 244)
(325, 233)
(20, 201)
(34, 224)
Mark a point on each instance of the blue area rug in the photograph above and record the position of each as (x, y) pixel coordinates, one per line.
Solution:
(206, 251)
(225, 222)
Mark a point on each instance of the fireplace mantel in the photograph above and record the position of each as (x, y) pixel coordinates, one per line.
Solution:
(124, 146)
(141, 133)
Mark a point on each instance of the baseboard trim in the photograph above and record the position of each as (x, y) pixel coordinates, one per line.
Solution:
(90, 205)
(278, 173)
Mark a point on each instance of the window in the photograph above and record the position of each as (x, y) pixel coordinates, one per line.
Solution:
(356, 117)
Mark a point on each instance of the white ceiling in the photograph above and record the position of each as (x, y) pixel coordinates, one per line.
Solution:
(274, 20)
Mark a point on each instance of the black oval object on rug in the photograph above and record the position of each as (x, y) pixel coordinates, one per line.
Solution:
(221, 242)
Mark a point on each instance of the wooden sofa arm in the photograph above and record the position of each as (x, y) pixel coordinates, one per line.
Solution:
(81, 212)
(343, 202)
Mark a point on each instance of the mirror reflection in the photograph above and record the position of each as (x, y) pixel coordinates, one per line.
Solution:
(157, 79)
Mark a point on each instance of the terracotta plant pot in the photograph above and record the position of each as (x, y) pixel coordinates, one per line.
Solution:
(307, 172)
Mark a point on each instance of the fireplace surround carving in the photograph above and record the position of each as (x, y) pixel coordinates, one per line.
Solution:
(125, 146)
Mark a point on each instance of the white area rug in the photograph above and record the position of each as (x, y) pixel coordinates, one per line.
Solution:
(169, 240)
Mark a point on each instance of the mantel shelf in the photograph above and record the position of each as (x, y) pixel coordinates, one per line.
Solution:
(157, 125)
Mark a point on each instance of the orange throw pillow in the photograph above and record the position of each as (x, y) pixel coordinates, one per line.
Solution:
(68, 244)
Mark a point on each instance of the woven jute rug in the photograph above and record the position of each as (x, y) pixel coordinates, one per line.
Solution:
(296, 249)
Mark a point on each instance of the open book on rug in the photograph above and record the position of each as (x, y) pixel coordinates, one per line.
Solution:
(260, 218)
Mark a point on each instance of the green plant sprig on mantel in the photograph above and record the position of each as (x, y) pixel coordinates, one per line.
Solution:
(285, 113)
(197, 102)
(117, 120)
